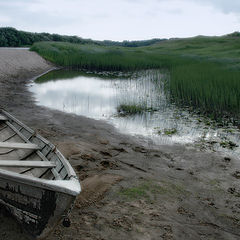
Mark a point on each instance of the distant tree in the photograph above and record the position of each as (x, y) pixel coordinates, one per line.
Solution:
(234, 34)
(10, 37)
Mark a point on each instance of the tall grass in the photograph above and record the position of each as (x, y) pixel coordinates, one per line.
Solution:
(204, 72)
(209, 87)
(94, 57)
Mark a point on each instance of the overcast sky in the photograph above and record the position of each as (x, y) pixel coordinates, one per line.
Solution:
(123, 19)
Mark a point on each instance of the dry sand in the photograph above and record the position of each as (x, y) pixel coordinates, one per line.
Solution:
(131, 189)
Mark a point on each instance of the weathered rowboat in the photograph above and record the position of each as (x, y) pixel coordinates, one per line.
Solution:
(38, 186)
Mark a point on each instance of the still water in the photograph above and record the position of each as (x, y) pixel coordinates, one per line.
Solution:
(99, 96)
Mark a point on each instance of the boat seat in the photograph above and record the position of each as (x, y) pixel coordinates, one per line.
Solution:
(31, 164)
(13, 145)
(3, 118)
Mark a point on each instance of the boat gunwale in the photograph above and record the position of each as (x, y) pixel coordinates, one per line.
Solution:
(27, 128)
(54, 185)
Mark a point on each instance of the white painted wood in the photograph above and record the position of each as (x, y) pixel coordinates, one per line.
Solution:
(72, 187)
(55, 173)
(37, 164)
(12, 145)
(3, 118)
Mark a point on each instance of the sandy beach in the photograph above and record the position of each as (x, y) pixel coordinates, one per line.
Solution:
(132, 189)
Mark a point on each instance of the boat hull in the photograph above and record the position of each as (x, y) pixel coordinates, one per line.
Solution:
(37, 209)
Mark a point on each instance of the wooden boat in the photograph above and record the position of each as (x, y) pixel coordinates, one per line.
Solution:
(38, 186)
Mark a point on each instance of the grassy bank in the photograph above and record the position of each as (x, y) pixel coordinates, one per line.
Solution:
(204, 71)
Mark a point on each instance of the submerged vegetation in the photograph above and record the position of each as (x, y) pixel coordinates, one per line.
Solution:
(204, 71)
(61, 74)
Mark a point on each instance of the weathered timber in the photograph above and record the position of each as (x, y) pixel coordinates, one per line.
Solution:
(13, 145)
(17, 163)
(3, 118)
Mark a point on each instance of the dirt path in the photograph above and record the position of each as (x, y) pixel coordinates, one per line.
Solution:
(131, 189)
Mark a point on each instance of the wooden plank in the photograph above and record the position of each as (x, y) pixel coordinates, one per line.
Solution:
(3, 118)
(54, 172)
(31, 164)
(40, 154)
(13, 145)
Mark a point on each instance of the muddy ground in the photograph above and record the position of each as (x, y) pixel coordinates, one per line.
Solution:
(132, 189)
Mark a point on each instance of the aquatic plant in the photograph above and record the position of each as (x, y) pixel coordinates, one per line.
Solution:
(228, 144)
(166, 131)
(170, 131)
(125, 109)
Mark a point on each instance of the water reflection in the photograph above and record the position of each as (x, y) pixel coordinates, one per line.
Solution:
(98, 96)
(88, 96)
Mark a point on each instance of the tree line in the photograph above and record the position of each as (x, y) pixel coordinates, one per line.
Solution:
(11, 37)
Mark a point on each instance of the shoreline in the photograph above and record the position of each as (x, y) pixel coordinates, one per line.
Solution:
(130, 190)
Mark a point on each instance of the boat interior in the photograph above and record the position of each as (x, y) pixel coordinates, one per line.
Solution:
(24, 152)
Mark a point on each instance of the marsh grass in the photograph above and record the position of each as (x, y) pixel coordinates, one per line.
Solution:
(92, 57)
(207, 86)
(204, 72)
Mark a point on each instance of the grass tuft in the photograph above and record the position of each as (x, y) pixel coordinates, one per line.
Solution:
(125, 109)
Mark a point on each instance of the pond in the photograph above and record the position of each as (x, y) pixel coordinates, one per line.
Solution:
(135, 103)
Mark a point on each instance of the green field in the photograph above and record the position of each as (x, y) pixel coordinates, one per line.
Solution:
(204, 71)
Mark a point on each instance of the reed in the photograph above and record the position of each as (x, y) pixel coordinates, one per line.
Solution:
(204, 72)
(208, 87)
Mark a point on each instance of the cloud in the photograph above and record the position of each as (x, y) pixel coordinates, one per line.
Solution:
(5, 19)
(226, 6)
(122, 19)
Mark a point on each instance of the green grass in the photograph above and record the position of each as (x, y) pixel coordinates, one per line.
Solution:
(150, 190)
(145, 190)
(204, 71)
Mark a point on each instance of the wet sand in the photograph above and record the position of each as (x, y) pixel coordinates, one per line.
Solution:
(132, 189)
